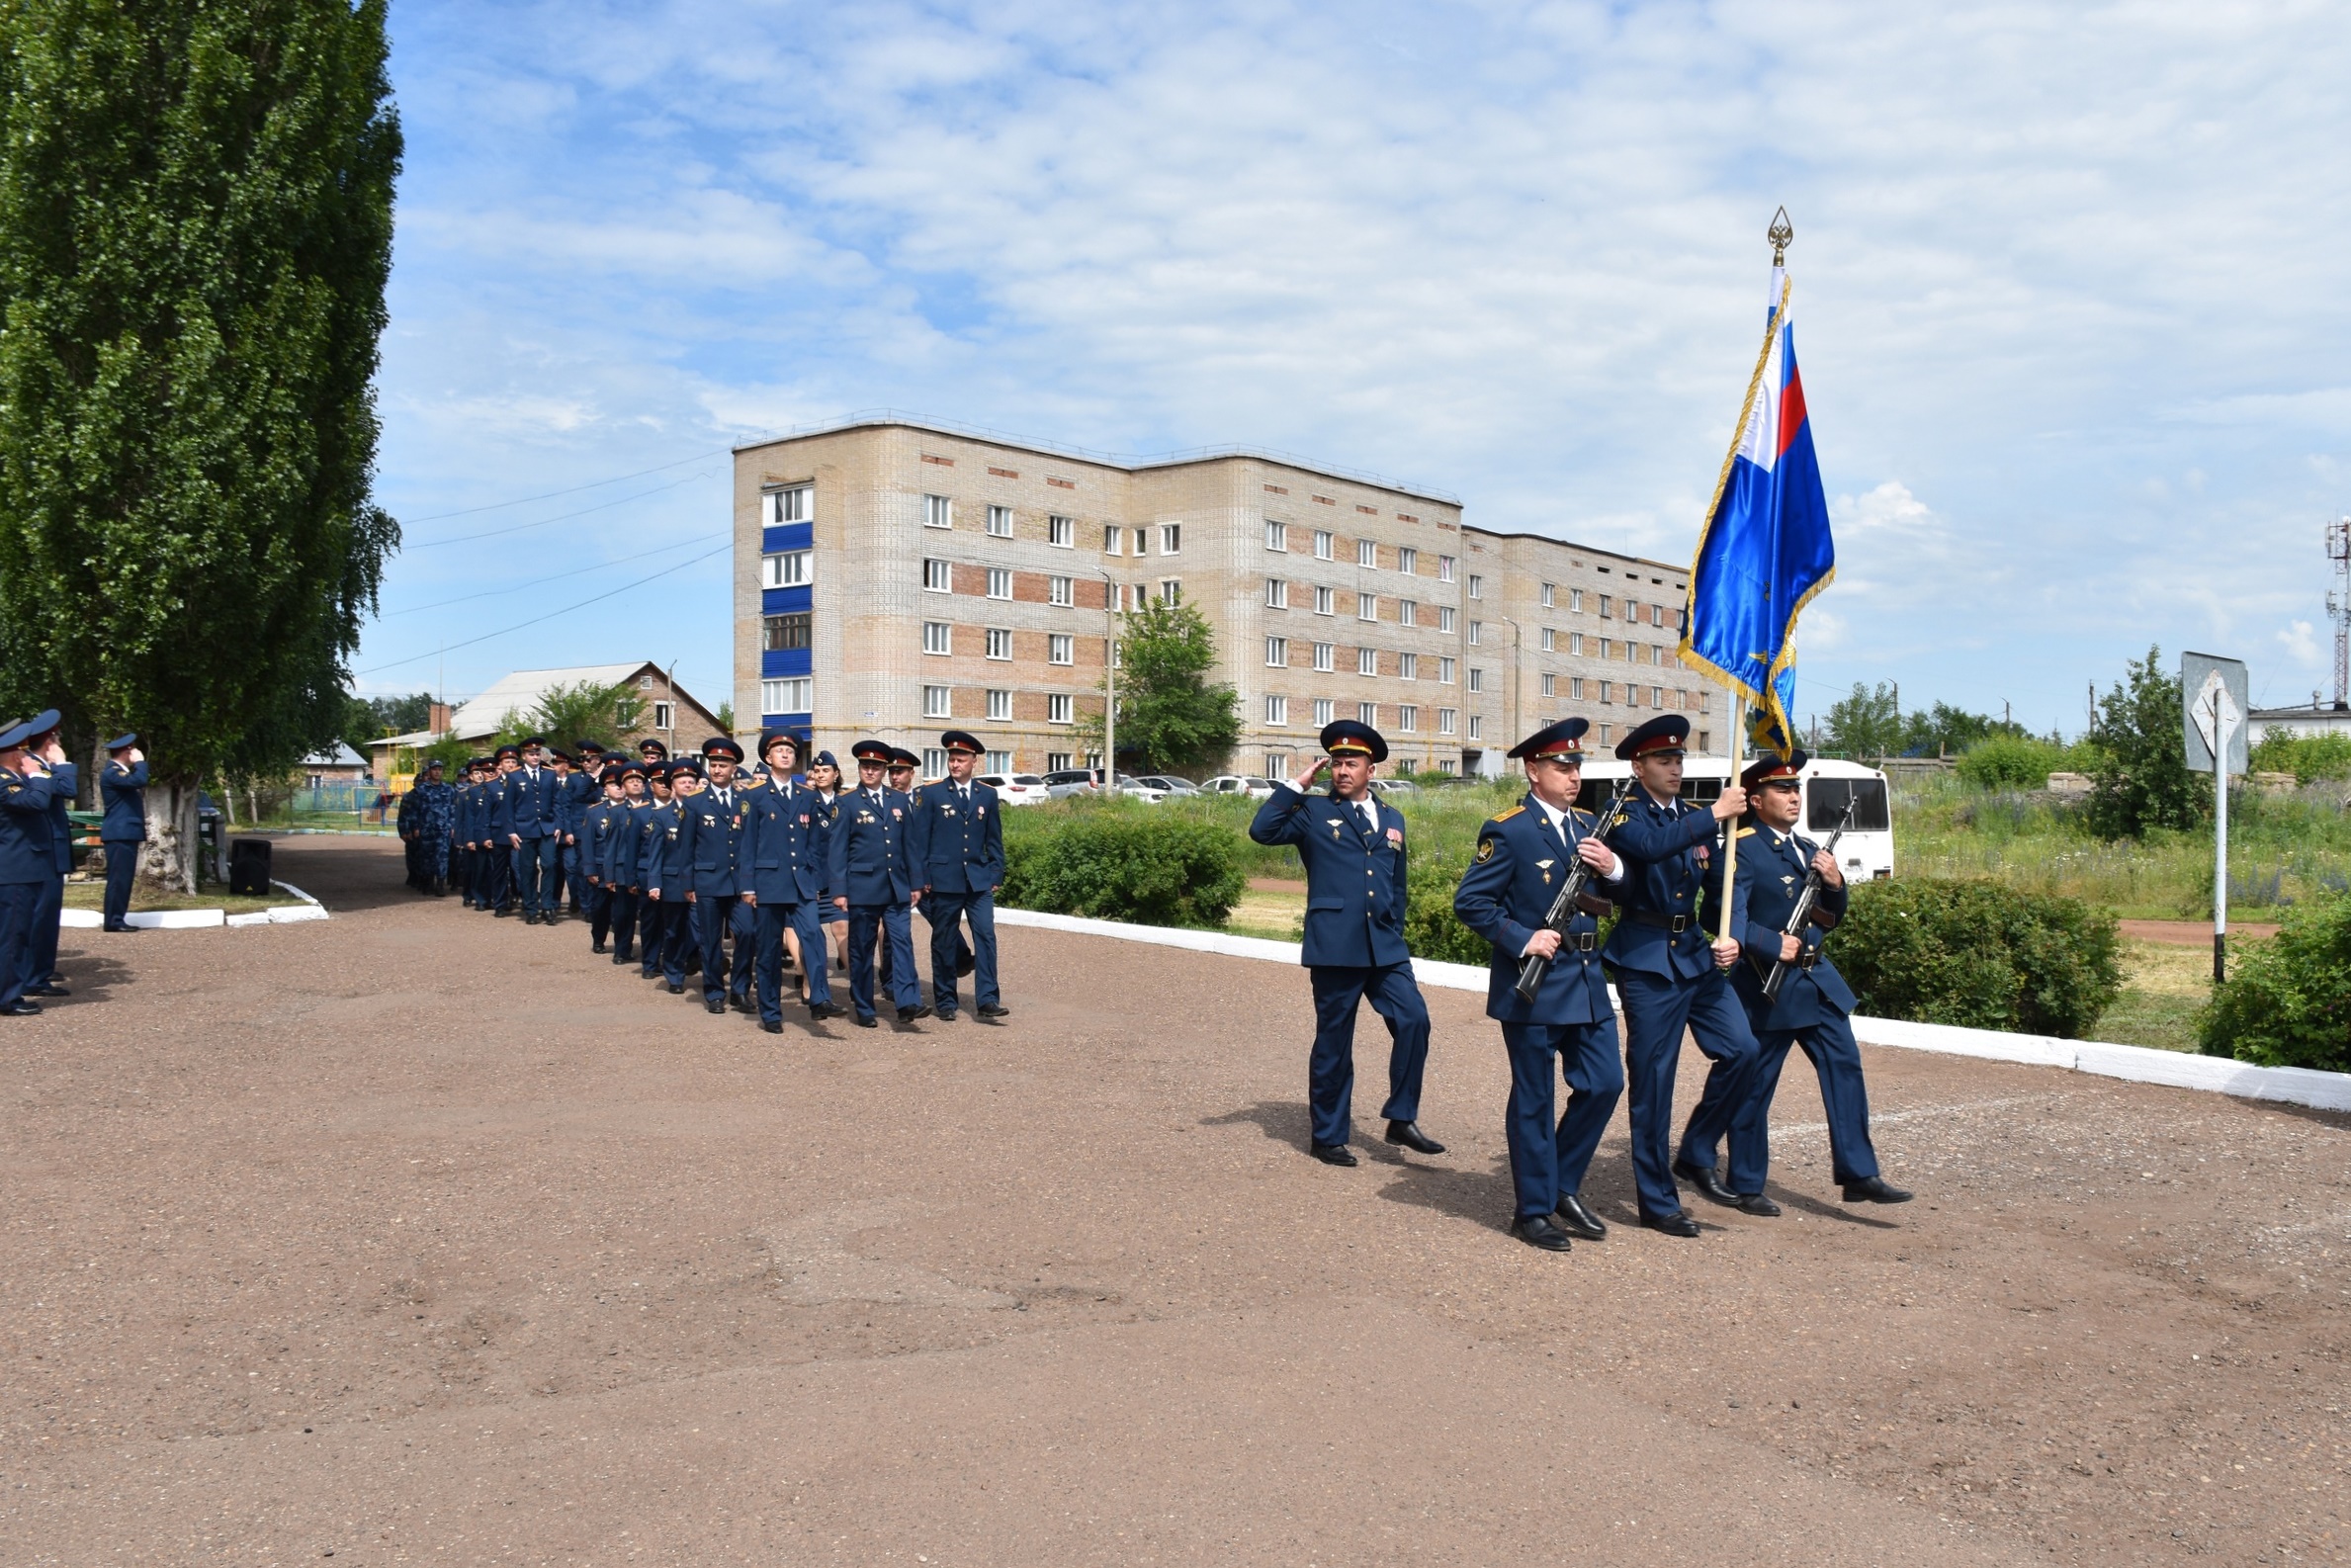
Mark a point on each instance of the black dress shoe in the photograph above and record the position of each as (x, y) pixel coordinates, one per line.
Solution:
(1572, 1217)
(1675, 1223)
(744, 1004)
(1335, 1154)
(991, 1011)
(504, 915)
(1709, 1186)
(1875, 1190)
(826, 1010)
(122, 931)
(52, 989)
(945, 1015)
(624, 958)
(1757, 1204)
(910, 1014)
(1410, 1136)
(597, 948)
(713, 1004)
(676, 991)
(866, 1020)
(1539, 1230)
(777, 1027)
(21, 1008)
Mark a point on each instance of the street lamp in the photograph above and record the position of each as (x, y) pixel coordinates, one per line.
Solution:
(1110, 686)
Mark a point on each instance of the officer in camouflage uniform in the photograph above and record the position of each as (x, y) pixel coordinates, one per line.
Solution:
(436, 824)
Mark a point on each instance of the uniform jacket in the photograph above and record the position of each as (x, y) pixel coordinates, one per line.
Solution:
(531, 802)
(25, 828)
(825, 818)
(1666, 849)
(624, 844)
(498, 809)
(461, 814)
(784, 842)
(64, 779)
(711, 834)
(662, 863)
(124, 788)
(954, 846)
(409, 822)
(1355, 878)
(1513, 878)
(1769, 878)
(867, 856)
(577, 793)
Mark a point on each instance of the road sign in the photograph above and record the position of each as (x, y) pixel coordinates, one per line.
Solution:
(2213, 693)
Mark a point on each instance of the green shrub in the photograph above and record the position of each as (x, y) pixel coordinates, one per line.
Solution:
(2309, 758)
(2289, 1003)
(1124, 862)
(2012, 762)
(1980, 955)
(1431, 927)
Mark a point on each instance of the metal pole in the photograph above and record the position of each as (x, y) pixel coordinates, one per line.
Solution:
(2221, 844)
(1730, 835)
(1110, 689)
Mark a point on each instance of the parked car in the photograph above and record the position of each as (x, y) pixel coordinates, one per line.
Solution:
(1395, 786)
(1237, 784)
(1169, 784)
(1088, 781)
(1018, 789)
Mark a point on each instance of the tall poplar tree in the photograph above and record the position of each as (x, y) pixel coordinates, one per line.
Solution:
(195, 234)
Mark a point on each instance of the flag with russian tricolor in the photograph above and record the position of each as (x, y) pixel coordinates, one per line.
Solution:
(1766, 549)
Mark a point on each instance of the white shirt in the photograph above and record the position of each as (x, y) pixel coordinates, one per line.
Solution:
(1558, 820)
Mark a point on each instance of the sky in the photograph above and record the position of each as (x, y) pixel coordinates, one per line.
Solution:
(2070, 295)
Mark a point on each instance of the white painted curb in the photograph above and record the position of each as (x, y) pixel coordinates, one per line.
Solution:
(2138, 1063)
(196, 920)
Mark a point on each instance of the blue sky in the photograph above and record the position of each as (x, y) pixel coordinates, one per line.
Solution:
(2070, 294)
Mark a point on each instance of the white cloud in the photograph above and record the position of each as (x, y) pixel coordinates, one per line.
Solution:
(2300, 642)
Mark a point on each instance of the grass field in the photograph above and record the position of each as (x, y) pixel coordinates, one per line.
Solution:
(144, 897)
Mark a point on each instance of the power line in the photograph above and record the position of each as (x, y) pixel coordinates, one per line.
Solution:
(549, 616)
(560, 517)
(492, 594)
(550, 495)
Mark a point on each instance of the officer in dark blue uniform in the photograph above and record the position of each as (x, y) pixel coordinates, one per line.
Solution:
(123, 787)
(586, 788)
(1522, 858)
(531, 831)
(1813, 1004)
(595, 855)
(712, 831)
(1668, 976)
(464, 833)
(1353, 851)
(500, 838)
(26, 790)
(624, 861)
(41, 970)
(957, 849)
(870, 876)
(833, 920)
(783, 850)
(666, 919)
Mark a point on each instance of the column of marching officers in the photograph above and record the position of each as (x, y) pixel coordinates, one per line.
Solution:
(726, 870)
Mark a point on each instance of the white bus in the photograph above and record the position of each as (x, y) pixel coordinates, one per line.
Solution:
(1868, 847)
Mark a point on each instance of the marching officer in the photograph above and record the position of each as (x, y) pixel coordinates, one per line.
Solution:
(26, 788)
(624, 851)
(783, 854)
(465, 834)
(711, 834)
(1813, 1004)
(869, 876)
(594, 847)
(1522, 858)
(499, 838)
(1668, 976)
(532, 833)
(667, 921)
(957, 849)
(122, 786)
(823, 776)
(586, 790)
(41, 973)
(436, 809)
(1354, 936)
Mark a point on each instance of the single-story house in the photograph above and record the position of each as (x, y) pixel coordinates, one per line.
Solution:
(334, 765)
(668, 714)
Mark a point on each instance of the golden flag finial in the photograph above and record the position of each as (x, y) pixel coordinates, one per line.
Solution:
(1782, 233)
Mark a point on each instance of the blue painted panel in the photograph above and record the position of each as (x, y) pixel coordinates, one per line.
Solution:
(786, 720)
(787, 662)
(788, 536)
(774, 601)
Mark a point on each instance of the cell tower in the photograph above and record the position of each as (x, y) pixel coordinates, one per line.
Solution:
(2338, 605)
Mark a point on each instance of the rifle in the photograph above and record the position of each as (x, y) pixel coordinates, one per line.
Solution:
(1535, 966)
(1798, 917)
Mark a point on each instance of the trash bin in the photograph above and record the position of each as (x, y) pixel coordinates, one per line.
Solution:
(248, 865)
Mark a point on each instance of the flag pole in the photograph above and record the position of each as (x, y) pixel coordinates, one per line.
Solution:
(1730, 830)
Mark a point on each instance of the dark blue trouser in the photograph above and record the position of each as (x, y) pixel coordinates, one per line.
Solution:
(493, 872)
(768, 966)
(1547, 1160)
(1837, 1059)
(17, 899)
(41, 957)
(596, 899)
(121, 868)
(1656, 1011)
(535, 873)
(625, 907)
(892, 923)
(715, 919)
(946, 913)
(1331, 1067)
(662, 929)
(569, 875)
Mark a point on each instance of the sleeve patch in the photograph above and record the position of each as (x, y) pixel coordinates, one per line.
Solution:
(1485, 850)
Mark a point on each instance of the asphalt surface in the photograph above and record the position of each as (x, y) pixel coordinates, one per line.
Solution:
(416, 1236)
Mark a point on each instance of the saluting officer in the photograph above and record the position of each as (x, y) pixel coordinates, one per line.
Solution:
(41, 973)
(26, 864)
(1523, 857)
(957, 849)
(1813, 1004)
(1670, 977)
(122, 786)
(1354, 936)
(711, 832)
(783, 851)
(870, 876)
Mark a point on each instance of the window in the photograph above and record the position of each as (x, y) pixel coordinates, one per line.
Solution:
(1000, 641)
(789, 569)
(1326, 601)
(1277, 536)
(1277, 653)
(1000, 705)
(1606, 687)
(1550, 685)
(1444, 618)
(1602, 643)
(664, 716)
(1278, 594)
(1548, 592)
(937, 512)
(1408, 667)
(1112, 537)
(1057, 708)
(1445, 717)
(1366, 606)
(1408, 559)
(1477, 587)
(1603, 607)
(1445, 568)
(1444, 673)
(1408, 612)
(999, 521)
(1477, 633)
(934, 762)
(1366, 553)
(1477, 678)
(1057, 762)
(1171, 538)
(1058, 590)
(1277, 710)
(1171, 592)
(1061, 649)
(795, 504)
(787, 696)
(1367, 660)
(1633, 695)
(1575, 687)
(1000, 582)
(938, 577)
(937, 638)
(1632, 612)
(1408, 718)
(1323, 655)
(1322, 544)
(1368, 713)
(939, 702)
(1632, 653)
(1325, 710)
(1277, 764)
(1575, 600)
(1706, 704)
(1550, 641)
(1062, 532)
(1706, 743)
(1575, 642)
(784, 633)
(1477, 726)
(1000, 762)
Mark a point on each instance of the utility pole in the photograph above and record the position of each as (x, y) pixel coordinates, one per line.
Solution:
(1110, 686)
(2338, 606)
(1518, 678)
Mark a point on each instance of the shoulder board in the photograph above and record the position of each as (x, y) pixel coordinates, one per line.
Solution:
(1512, 812)
(1746, 832)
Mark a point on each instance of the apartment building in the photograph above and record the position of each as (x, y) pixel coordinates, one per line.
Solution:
(895, 578)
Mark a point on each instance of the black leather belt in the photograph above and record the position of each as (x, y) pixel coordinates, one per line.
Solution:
(1675, 923)
(1809, 957)
(1582, 942)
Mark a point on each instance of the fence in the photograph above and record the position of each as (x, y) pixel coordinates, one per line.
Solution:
(364, 805)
